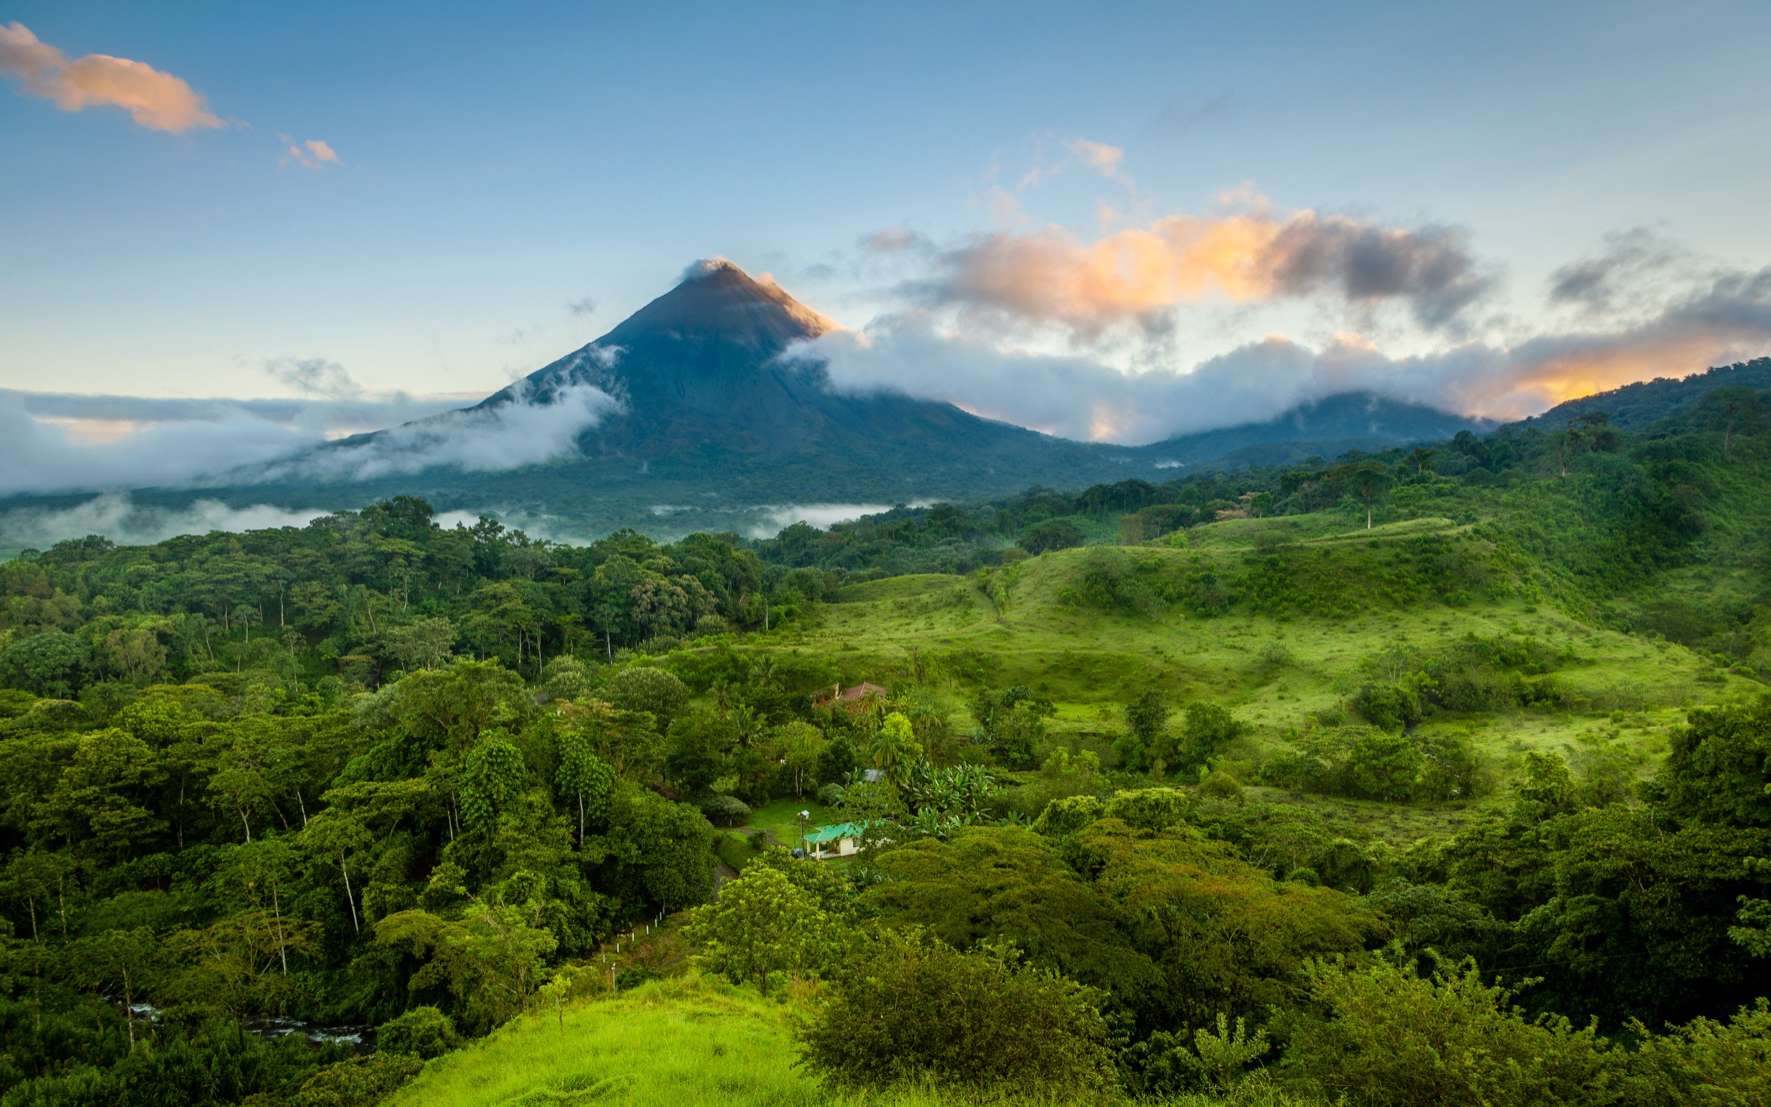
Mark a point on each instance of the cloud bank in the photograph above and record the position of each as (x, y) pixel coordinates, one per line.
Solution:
(1725, 319)
(527, 430)
(66, 443)
(155, 100)
(117, 517)
(42, 455)
(1137, 274)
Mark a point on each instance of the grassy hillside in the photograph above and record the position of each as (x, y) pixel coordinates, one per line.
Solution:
(1280, 620)
(685, 1040)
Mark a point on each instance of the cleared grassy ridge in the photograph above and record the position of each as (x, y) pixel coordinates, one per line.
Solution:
(1312, 601)
(684, 1040)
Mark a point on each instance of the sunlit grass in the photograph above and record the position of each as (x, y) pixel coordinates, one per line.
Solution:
(670, 1043)
(1275, 673)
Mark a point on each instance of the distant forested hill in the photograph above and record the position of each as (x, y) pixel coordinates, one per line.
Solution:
(1637, 405)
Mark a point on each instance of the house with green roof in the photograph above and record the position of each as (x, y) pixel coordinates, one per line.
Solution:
(835, 840)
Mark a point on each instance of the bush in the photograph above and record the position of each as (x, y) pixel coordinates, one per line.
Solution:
(1388, 705)
(1067, 815)
(830, 795)
(422, 1032)
(1148, 808)
(1053, 534)
(1391, 1037)
(924, 1013)
(358, 1082)
(725, 810)
(633, 976)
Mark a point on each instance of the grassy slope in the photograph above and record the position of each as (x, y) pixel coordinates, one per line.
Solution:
(678, 1041)
(1273, 668)
(684, 1040)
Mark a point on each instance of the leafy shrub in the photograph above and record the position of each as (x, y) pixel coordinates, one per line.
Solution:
(924, 1012)
(357, 1082)
(1109, 580)
(633, 976)
(1166, 1064)
(830, 795)
(1366, 763)
(1053, 534)
(1148, 808)
(725, 810)
(1388, 1036)
(1388, 705)
(1068, 815)
(422, 1032)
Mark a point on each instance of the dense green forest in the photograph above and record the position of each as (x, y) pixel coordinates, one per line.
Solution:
(1441, 775)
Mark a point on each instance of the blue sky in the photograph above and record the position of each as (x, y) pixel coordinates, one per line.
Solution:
(495, 165)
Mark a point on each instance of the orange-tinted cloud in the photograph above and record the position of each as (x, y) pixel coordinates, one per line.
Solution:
(1724, 320)
(156, 100)
(1099, 156)
(314, 153)
(1052, 275)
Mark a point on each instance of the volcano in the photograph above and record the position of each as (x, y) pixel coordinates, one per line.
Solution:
(707, 370)
(701, 412)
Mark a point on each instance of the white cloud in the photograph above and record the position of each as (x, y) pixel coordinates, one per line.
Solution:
(315, 376)
(507, 435)
(61, 443)
(117, 517)
(777, 518)
(42, 456)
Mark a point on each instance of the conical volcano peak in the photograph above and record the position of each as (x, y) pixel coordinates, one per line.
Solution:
(717, 299)
(713, 266)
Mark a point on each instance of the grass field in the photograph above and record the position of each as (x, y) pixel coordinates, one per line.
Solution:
(1274, 669)
(670, 1043)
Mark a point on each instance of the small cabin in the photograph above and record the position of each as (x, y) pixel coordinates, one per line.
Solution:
(836, 840)
(852, 699)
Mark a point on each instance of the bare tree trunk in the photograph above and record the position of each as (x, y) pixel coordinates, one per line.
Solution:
(349, 897)
(277, 919)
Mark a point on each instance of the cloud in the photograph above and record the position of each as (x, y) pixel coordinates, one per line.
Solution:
(1099, 156)
(155, 100)
(314, 153)
(1136, 274)
(1630, 260)
(912, 353)
(315, 418)
(776, 518)
(895, 240)
(121, 519)
(706, 267)
(40, 455)
(526, 429)
(582, 306)
(1430, 268)
(315, 376)
(57, 442)
(1078, 153)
